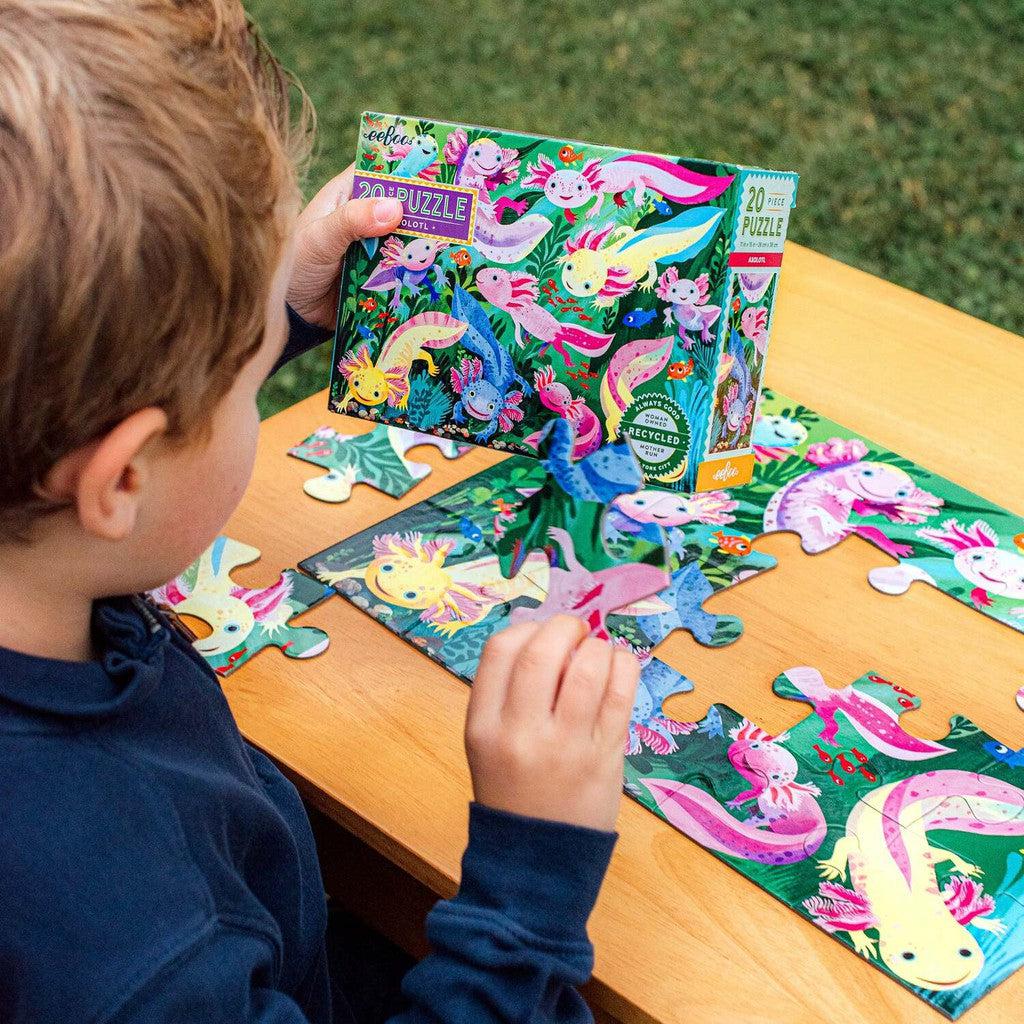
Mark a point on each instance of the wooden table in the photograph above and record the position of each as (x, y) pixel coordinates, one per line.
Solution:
(371, 731)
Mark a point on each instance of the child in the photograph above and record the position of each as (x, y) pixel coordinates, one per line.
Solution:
(154, 866)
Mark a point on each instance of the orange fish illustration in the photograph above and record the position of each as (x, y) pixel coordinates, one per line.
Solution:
(732, 544)
(369, 304)
(461, 258)
(680, 371)
(568, 155)
(1019, 541)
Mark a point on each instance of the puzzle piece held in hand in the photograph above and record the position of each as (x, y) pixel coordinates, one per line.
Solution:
(243, 621)
(377, 458)
(565, 517)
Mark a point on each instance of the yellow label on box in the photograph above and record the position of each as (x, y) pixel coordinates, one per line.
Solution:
(720, 474)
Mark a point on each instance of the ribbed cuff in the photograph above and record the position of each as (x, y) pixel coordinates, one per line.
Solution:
(543, 875)
(302, 336)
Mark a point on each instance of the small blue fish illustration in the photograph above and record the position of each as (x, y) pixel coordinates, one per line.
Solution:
(639, 317)
(662, 207)
(712, 724)
(1012, 758)
(470, 530)
(365, 332)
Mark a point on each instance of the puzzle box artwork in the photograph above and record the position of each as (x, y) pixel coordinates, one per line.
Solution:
(534, 278)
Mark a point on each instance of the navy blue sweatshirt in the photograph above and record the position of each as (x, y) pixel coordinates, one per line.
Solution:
(156, 867)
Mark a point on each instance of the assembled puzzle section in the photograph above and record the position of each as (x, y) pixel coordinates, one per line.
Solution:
(825, 483)
(434, 575)
(377, 458)
(906, 850)
(242, 620)
(534, 278)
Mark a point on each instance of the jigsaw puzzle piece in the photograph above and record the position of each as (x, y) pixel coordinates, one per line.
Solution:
(973, 562)
(565, 517)
(243, 621)
(649, 726)
(377, 458)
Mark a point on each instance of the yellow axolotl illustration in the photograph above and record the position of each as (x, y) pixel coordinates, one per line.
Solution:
(923, 935)
(387, 379)
(410, 572)
(605, 264)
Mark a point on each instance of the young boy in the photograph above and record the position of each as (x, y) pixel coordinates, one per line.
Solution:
(153, 866)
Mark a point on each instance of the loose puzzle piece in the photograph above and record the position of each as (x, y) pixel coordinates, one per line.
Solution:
(919, 870)
(377, 458)
(565, 517)
(243, 621)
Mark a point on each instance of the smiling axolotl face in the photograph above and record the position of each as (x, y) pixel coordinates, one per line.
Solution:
(484, 157)
(425, 146)
(776, 431)
(420, 253)
(878, 483)
(481, 400)
(684, 292)
(659, 507)
(568, 189)
(994, 570)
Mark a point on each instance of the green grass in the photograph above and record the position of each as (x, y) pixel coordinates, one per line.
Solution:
(903, 118)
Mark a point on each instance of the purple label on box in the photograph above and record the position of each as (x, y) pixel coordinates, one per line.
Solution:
(432, 209)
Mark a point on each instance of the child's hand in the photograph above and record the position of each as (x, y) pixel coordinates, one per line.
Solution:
(547, 721)
(328, 225)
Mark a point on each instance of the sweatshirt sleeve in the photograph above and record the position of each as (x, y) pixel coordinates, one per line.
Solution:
(302, 336)
(512, 944)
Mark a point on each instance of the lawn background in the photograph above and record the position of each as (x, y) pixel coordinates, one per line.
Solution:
(905, 119)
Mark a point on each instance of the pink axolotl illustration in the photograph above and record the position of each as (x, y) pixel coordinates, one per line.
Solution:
(554, 395)
(484, 165)
(592, 596)
(788, 826)
(516, 293)
(874, 720)
(754, 325)
(818, 505)
(570, 189)
(687, 305)
(406, 265)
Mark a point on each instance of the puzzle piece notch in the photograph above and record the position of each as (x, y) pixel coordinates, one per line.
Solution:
(377, 458)
(243, 621)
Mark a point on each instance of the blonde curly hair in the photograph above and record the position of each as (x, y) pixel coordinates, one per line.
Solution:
(148, 180)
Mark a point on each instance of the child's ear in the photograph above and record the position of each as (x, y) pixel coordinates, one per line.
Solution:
(105, 479)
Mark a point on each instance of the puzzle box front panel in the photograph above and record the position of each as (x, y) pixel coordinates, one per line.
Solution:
(533, 278)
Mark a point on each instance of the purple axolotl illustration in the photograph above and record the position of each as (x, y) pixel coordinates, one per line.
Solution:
(407, 265)
(818, 505)
(687, 305)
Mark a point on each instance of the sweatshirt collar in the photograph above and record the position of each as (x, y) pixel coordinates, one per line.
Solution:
(130, 640)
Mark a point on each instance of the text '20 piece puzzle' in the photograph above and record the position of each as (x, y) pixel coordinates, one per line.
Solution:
(533, 278)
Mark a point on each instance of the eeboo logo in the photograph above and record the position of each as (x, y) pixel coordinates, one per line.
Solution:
(727, 472)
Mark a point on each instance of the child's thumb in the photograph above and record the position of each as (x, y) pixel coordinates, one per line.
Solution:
(356, 219)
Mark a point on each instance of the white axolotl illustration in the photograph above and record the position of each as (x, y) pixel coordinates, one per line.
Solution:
(994, 572)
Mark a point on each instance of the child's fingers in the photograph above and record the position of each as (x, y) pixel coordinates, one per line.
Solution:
(619, 696)
(331, 196)
(539, 668)
(583, 685)
(487, 697)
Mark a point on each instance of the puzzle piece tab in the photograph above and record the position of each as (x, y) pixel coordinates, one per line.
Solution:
(377, 458)
(243, 621)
